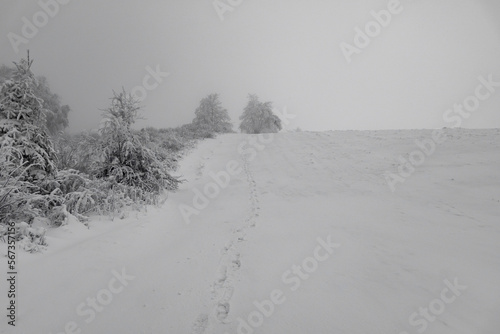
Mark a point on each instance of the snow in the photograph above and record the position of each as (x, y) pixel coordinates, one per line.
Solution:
(307, 237)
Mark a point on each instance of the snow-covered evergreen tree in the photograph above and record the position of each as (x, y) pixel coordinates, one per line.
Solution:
(27, 157)
(258, 117)
(23, 135)
(56, 114)
(211, 116)
(124, 158)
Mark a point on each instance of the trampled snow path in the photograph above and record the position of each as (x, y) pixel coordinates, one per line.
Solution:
(265, 233)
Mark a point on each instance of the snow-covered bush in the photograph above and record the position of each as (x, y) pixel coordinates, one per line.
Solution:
(83, 195)
(31, 239)
(165, 145)
(22, 201)
(17, 205)
(166, 139)
(14, 195)
(170, 141)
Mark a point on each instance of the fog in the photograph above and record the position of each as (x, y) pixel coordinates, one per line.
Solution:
(426, 58)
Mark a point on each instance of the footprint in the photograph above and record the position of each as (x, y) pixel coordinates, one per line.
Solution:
(200, 324)
(222, 275)
(222, 311)
(236, 263)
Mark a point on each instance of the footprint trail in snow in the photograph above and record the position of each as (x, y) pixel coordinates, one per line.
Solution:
(223, 287)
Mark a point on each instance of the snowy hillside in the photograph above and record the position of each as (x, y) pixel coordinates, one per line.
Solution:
(288, 233)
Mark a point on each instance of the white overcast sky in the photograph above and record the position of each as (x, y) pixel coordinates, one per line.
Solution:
(286, 51)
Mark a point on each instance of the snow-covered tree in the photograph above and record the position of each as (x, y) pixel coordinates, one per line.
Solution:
(23, 134)
(258, 117)
(124, 158)
(56, 115)
(27, 157)
(211, 116)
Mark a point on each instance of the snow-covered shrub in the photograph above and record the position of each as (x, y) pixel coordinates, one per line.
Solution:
(82, 196)
(24, 201)
(59, 216)
(171, 142)
(81, 202)
(167, 139)
(31, 239)
(14, 196)
(20, 199)
(165, 144)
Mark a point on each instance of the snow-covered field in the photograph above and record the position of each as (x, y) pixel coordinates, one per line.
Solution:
(302, 234)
